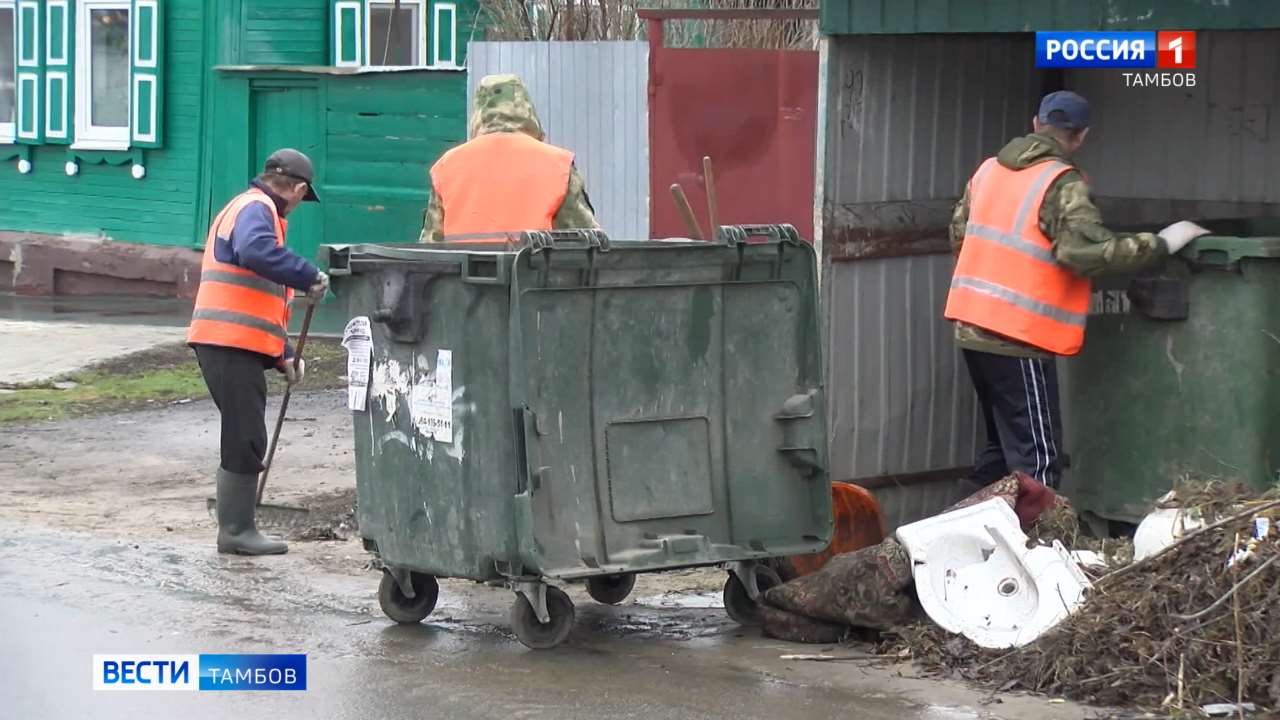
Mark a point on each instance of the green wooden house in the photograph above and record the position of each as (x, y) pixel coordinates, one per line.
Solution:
(135, 120)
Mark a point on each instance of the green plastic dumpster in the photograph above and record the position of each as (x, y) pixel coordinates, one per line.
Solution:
(1179, 376)
(566, 408)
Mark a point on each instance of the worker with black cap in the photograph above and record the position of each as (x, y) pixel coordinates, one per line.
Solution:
(1028, 239)
(239, 328)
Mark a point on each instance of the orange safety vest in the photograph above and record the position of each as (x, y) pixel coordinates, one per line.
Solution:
(1007, 280)
(236, 307)
(498, 183)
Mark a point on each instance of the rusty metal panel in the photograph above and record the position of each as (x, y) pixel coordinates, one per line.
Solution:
(907, 121)
(592, 99)
(754, 113)
(1159, 154)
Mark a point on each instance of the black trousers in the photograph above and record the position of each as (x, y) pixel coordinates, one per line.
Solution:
(239, 388)
(1019, 400)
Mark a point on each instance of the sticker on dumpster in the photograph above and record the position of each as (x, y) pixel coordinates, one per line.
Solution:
(358, 340)
(1109, 302)
(433, 400)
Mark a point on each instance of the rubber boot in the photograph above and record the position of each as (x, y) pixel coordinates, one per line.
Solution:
(237, 502)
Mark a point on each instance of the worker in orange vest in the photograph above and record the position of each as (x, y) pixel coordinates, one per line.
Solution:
(1028, 240)
(505, 179)
(239, 328)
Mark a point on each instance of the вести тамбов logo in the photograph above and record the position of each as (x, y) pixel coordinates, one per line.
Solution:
(203, 672)
(1166, 58)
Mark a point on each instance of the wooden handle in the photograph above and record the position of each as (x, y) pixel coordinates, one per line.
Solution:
(284, 401)
(709, 179)
(686, 212)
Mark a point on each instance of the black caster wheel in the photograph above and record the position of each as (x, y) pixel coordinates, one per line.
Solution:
(738, 604)
(611, 589)
(539, 636)
(405, 610)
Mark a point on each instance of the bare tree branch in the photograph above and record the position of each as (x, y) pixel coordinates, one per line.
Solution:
(617, 20)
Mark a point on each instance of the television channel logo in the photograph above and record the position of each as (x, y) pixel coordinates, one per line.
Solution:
(1165, 50)
(205, 672)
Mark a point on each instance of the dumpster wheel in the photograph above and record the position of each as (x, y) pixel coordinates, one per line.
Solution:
(542, 636)
(738, 603)
(403, 609)
(611, 589)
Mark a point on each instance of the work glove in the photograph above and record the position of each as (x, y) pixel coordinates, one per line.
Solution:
(293, 375)
(319, 287)
(1177, 235)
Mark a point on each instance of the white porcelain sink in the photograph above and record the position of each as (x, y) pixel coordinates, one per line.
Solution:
(975, 576)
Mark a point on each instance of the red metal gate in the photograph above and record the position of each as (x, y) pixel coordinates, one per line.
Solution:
(754, 112)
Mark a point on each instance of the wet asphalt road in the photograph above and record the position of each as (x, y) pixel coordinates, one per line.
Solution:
(68, 596)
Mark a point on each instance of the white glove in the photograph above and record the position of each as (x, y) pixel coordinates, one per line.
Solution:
(293, 375)
(319, 287)
(1177, 235)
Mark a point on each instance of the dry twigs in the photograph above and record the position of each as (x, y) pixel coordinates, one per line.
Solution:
(1177, 628)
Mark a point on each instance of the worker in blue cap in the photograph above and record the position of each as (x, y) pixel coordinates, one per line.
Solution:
(1028, 238)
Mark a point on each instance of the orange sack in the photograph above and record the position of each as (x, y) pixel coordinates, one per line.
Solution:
(858, 523)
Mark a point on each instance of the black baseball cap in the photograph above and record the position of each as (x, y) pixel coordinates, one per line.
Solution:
(295, 165)
(1064, 109)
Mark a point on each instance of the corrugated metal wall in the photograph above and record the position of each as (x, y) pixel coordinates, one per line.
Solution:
(592, 98)
(1210, 151)
(907, 120)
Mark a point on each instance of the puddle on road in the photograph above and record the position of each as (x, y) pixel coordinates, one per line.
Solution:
(937, 712)
(694, 601)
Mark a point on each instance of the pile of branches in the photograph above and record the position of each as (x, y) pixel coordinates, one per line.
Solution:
(1176, 630)
(618, 20)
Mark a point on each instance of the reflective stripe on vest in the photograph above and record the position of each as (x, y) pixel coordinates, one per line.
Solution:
(1007, 280)
(500, 183)
(236, 307)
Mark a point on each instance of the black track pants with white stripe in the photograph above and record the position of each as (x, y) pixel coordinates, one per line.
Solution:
(1019, 399)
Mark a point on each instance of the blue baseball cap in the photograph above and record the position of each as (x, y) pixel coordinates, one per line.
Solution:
(1064, 109)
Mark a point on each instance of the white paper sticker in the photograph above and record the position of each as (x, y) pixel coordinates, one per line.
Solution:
(433, 400)
(358, 340)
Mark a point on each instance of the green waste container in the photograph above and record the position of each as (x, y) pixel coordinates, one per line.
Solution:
(568, 408)
(1179, 376)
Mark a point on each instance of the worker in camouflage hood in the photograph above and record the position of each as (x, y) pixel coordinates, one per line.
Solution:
(506, 178)
(1028, 240)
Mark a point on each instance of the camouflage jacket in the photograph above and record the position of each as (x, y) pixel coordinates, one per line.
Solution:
(503, 105)
(1068, 218)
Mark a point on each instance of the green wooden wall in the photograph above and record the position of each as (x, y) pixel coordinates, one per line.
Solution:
(383, 131)
(378, 134)
(372, 136)
(105, 200)
(285, 32)
(874, 17)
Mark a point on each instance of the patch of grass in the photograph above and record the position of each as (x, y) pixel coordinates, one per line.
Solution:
(146, 379)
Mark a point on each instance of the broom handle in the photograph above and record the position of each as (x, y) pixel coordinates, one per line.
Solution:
(284, 401)
(713, 217)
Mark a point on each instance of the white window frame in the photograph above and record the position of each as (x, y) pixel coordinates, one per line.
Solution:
(436, 12)
(421, 6)
(9, 130)
(88, 135)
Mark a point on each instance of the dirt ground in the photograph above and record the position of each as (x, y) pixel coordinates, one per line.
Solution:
(117, 474)
(114, 506)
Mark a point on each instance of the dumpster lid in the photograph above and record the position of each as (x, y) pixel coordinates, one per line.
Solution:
(1225, 249)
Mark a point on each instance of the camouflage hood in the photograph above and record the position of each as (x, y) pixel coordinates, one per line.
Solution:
(502, 104)
(1030, 149)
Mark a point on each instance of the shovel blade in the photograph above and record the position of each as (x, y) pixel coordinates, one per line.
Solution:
(278, 517)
